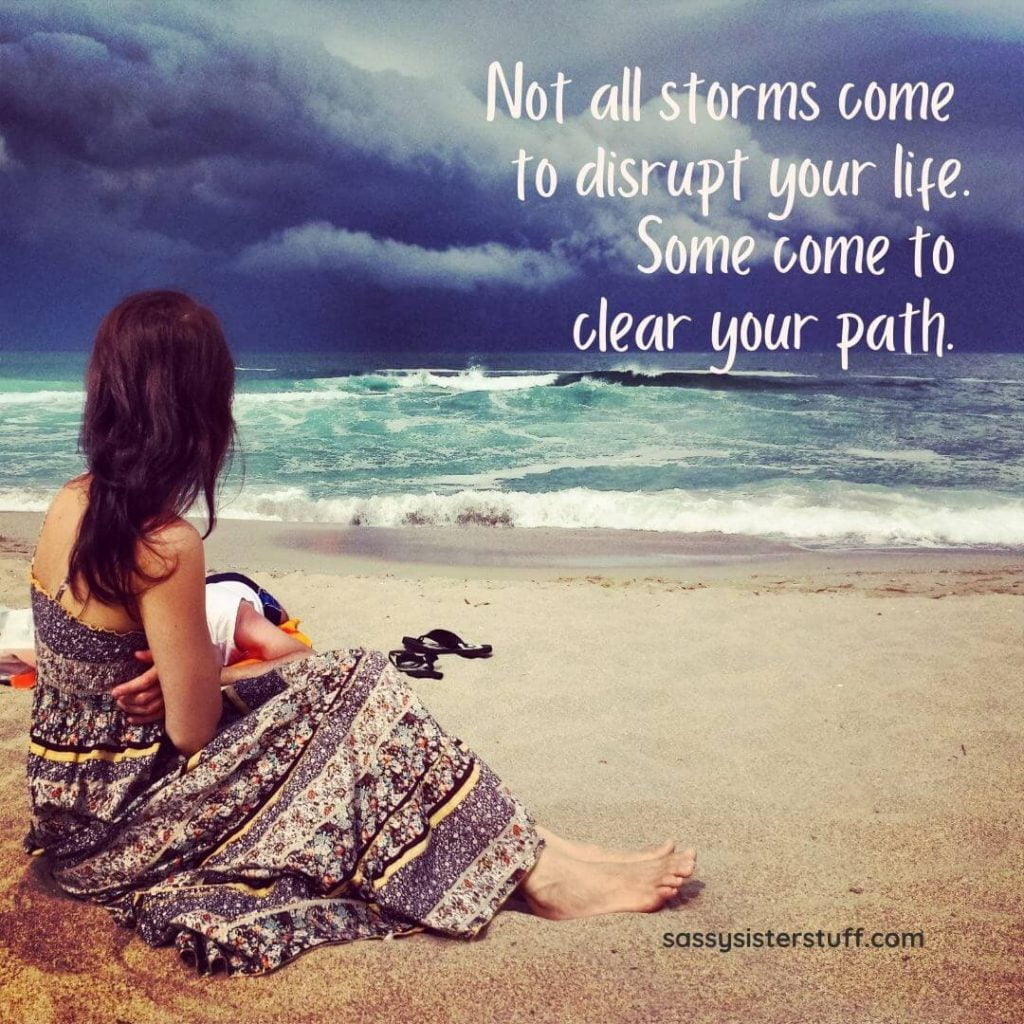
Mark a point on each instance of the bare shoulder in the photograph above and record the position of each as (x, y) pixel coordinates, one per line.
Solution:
(178, 534)
(60, 526)
(71, 500)
(170, 547)
(77, 488)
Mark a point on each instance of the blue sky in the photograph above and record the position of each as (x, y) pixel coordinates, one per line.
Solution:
(323, 174)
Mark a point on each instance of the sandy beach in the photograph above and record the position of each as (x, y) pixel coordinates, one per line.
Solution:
(839, 735)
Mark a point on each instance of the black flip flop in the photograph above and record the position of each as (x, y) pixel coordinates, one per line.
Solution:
(444, 641)
(417, 664)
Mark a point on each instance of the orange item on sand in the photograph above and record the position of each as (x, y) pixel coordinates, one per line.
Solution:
(291, 627)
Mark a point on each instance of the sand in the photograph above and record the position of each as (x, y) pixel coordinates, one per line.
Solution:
(840, 736)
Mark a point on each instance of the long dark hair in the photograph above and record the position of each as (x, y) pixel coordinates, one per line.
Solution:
(156, 432)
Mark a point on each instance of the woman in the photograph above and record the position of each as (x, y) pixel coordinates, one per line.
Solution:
(313, 801)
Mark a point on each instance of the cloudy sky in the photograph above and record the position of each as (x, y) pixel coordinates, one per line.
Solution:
(324, 175)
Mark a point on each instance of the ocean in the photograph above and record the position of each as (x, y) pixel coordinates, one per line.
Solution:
(901, 452)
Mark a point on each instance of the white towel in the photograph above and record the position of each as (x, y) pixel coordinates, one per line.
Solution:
(16, 639)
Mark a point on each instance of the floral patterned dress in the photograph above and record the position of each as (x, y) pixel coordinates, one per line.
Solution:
(329, 806)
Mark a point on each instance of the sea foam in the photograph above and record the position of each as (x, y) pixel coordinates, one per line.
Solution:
(847, 516)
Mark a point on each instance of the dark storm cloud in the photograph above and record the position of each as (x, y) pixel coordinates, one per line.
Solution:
(212, 136)
(306, 153)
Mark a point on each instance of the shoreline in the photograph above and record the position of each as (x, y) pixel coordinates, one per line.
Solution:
(477, 552)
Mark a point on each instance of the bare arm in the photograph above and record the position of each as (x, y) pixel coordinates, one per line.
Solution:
(232, 673)
(142, 699)
(259, 638)
(174, 617)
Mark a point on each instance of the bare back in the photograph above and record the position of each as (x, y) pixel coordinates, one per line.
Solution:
(53, 551)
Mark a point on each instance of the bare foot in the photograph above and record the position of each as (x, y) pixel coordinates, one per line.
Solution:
(591, 852)
(561, 887)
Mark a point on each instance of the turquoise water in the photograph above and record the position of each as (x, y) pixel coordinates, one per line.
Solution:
(905, 452)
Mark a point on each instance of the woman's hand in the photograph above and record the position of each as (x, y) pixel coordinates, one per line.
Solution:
(141, 698)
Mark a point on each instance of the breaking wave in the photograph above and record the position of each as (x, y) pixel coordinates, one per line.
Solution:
(836, 515)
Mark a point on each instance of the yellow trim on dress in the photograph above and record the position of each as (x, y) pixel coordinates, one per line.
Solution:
(252, 890)
(232, 695)
(257, 816)
(433, 821)
(357, 877)
(38, 584)
(78, 756)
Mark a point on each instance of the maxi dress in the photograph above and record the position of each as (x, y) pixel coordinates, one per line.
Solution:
(329, 806)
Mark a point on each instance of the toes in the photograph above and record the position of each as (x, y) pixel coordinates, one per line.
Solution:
(685, 863)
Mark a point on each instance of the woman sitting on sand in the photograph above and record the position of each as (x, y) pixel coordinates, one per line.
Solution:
(323, 803)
